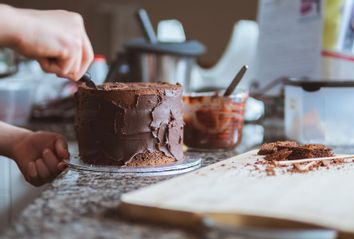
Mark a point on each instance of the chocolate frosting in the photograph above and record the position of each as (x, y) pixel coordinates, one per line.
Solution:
(117, 121)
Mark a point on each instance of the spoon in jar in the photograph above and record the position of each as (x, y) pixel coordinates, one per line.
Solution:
(230, 89)
(146, 25)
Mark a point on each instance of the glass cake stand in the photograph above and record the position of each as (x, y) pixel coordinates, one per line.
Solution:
(191, 162)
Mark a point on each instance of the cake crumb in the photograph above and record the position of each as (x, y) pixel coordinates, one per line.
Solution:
(288, 150)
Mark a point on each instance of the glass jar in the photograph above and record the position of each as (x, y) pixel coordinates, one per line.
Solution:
(212, 121)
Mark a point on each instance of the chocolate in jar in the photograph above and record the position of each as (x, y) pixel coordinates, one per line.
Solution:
(213, 122)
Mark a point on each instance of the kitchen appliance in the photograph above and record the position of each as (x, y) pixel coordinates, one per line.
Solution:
(16, 99)
(98, 69)
(143, 61)
(148, 60)
(320, 112)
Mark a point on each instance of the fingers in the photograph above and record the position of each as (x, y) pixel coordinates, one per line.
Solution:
(54, 164)
(33, 176)
(44, 169)
(72, 66)
(61, 148)
(83, 59)
(77, 65)
(51, 161)
(67, 65)
(59, 35)
(49, 65)
(87, 56)
(62, 67)
(43, 156)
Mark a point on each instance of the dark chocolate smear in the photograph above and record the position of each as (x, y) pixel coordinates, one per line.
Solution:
(117, 122)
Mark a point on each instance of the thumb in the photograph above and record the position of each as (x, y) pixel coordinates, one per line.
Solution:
(61, 148)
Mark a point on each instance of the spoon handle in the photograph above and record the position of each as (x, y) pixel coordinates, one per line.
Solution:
(236, 80)
(146, 25)
(86, 78)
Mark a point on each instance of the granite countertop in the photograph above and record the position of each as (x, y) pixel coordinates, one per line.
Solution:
(82, 204)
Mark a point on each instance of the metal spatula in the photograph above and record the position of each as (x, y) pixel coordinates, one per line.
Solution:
(86, 79)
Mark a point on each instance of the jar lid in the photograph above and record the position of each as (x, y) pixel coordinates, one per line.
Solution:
(99, 57)
(187, 48)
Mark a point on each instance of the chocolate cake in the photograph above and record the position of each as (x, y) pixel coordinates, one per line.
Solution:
(130, 124)
(289, 150)
(282, 157)
(270, 148)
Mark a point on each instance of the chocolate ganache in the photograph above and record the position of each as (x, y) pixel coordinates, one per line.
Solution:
(133, 124)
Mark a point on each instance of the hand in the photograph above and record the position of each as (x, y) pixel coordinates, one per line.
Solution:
(39, 155)
(56, 39)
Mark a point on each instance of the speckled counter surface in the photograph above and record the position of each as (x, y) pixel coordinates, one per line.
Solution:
(81, 204)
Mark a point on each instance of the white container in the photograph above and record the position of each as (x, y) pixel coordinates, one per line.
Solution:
(320, 112)
(15, 101)
(98, 69)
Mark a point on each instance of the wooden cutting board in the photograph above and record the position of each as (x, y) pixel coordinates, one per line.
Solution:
(233, 192)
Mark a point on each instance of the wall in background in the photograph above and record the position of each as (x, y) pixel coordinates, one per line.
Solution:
(111, 22)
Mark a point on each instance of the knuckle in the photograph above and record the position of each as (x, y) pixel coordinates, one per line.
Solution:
(70, 42)
(63, 53)
(77, 18)
(75, 43)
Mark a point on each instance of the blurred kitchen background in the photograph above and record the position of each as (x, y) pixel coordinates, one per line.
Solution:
(110, 23)
(304, 46)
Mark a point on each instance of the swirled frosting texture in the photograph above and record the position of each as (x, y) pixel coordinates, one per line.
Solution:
(118, 121)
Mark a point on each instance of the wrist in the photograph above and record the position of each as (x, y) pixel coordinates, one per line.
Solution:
(10, 25)
(14, 24)
(20, 135)
(10, 137)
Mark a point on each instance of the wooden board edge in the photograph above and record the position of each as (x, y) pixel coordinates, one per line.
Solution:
(161, 216)
(194, 221)
(244, 220)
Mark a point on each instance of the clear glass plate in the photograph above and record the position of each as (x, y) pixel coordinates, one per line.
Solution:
(190, 163)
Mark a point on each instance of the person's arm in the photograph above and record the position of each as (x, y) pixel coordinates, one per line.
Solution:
(56, 39)
(39, 155)
(8, 136)
(7, 28)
